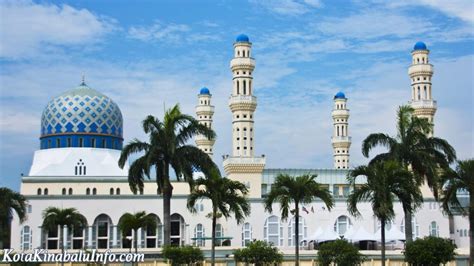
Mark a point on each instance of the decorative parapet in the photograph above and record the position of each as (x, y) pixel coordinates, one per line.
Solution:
(243, 164)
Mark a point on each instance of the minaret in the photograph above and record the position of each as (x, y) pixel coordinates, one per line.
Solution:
(243, 165)
(420, 72)
(341, 142)
(204, 113)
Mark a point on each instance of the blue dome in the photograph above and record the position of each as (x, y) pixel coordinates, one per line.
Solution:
(420, 46)
(242, 38)
(204, 90)
(81, 117)
(340, 95)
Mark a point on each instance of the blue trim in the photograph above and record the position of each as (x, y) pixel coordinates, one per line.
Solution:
(111, 142)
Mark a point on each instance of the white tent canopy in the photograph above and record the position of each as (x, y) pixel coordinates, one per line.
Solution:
(391, 235)
(360, 235)
(315, 235)
(327, 235)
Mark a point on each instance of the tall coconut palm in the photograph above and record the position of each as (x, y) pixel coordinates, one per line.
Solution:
(10, 201)
(386, 181)
(167, 148)
(414, 150)
(298, 190)
(460, 179)
(228, 198)
(132, 222)
(55, 217)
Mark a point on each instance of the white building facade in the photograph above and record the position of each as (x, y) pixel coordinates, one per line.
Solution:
(76, 167)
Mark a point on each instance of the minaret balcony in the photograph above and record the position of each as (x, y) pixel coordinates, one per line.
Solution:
(431, 104)
(204, 109)
(341, 139)
(242, 62)
(420, 69)
(242, 102)
(340, 113)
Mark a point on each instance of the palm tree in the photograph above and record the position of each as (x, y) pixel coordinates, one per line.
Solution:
(299, 190)
(415, 151)
(69, 217)
(132, 222)
(386, 181)
(227, 197)
(460, 179)
(10, 201)
(167, 147)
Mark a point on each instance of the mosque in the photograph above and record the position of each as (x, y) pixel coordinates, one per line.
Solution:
(82, 137)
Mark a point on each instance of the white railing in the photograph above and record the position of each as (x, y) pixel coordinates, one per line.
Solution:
(242, 61)
(243, 99)
(341, 138)
(423, 103)
(204, 108)
(243, 160)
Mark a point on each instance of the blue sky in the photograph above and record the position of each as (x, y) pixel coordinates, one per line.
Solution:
(150, 54)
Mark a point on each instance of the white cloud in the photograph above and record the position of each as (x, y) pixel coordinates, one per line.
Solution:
(28, 28)
(288, 7)
(158, 32)
(370, 24)
(462, 9)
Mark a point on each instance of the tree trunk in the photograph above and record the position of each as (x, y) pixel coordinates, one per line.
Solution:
(382, 232)
(297, 234)
(471, 228)
(213, 244)
(408, 226)
(167, 193)
(61, 240)
(135, 240)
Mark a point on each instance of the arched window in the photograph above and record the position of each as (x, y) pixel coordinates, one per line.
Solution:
(152, 237)
(199, 235)
(94, 191)
(273, 231)
(38, 191)
(69, 142)
(58, 143)
(78, 237)
(101, 231)
(81, 142)
(51, 238)
(93, 143)
(245, 87)
(103, 143)
(117, 191)
(434, 229)
(80, 168)
(250, 87)
(70, 191)
(302, 231)
(246, 234)
(49, 143)
(25, 238)
(111, 191)
(88, 191)
(219, 234)
(238, 87)
(46, 191)
(425, 92)
(415, 227)
(342, 224)
(64, 191)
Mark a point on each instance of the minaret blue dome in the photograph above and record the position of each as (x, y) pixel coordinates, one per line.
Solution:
(242, 38)
(340, 95)
(420, 46)
(82, 117)
(204, 90)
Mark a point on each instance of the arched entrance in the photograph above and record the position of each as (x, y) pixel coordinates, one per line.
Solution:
(178, 227)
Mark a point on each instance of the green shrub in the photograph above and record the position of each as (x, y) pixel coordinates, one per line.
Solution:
(185, 255)
(341, 252)
(258, 252)
(430, 251)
